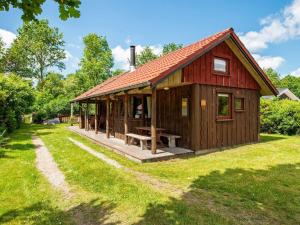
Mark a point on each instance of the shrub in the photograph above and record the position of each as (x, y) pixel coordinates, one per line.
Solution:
(280, 116)
(16, 97)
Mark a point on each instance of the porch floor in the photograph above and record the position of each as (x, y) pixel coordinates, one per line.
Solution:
(132, 152)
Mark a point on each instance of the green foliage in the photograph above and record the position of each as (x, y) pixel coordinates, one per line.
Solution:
(167, 48)
(96, 62)
(32, 8)
(16, 98)
(273, 76)
(292, 83)
(51, 98)
(145, 56)
(117, 72)
(289, 81)
(280, 116)
(2, 52)
(36, 48)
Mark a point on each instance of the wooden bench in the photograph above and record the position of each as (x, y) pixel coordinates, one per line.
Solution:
(171, 139)
(143, 139)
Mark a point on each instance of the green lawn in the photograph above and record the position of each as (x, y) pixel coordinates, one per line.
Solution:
(251, 184)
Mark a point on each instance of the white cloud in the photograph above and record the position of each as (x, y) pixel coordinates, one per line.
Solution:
(71, 45)
(7, 37)
(121, 55)
(68, 55)
(275, 28)
(71, 61)
(296, 73)
(268, 61)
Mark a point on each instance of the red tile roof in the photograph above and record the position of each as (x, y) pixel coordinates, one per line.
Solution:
(152, 72)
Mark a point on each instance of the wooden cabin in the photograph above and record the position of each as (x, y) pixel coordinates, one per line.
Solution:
(205, 95)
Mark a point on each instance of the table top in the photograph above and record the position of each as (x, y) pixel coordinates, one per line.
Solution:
(149, 128)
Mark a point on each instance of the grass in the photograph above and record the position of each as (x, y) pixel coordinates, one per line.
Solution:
(250, 184)
(25, 196)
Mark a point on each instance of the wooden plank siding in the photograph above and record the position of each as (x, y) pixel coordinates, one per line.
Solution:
(200, 70)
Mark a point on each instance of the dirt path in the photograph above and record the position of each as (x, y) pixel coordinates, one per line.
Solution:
(97, 154)
(46, 164)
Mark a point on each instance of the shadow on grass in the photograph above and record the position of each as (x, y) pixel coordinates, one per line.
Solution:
(236, 196)
(268, 138)
(4, 155)
(19, 147)
(43, 213)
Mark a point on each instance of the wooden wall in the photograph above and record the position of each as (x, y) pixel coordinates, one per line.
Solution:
(201, 71)
(242, 128)
(169, 113)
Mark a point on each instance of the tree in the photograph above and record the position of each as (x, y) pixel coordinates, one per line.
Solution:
(97, 60)
(273, 76)
(51, 98)
(33, 8)
(146, 55)
(2, 52)
(117, 72)
(36, 48)
(167, 48)
(16, 98)
(292, 83)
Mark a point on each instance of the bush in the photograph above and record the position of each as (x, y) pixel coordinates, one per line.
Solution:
(280, 116)
(16, 97)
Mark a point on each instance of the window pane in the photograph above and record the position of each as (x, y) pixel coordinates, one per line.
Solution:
(239, 103)
(223, 105)
(136, 107)
(147, 107)
(220, 65)
(184, 106)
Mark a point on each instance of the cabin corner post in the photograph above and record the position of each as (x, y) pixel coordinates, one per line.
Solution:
(153, 121)
(125, 117)
(195, 117)
(107, 117)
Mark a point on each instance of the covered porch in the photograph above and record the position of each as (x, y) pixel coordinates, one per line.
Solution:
(152, 116)
(132, 152)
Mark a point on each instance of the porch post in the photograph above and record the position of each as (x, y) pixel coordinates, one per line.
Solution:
(125, 117)
(72, 104)
(80, 115)
(96, 116)
(153, 122)
(87, 117)
(107, 117)
(195, 135)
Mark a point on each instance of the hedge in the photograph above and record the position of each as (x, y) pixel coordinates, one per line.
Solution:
(280, 116)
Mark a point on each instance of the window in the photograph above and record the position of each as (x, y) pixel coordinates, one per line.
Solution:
(239, 104)
(224, 106)
(136, 107)
(220, 66)
(184, 107)
(147, 107)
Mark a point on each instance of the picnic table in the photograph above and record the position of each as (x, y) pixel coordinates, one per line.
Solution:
(147, 131)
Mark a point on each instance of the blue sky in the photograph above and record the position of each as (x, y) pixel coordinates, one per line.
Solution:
(270, 29)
